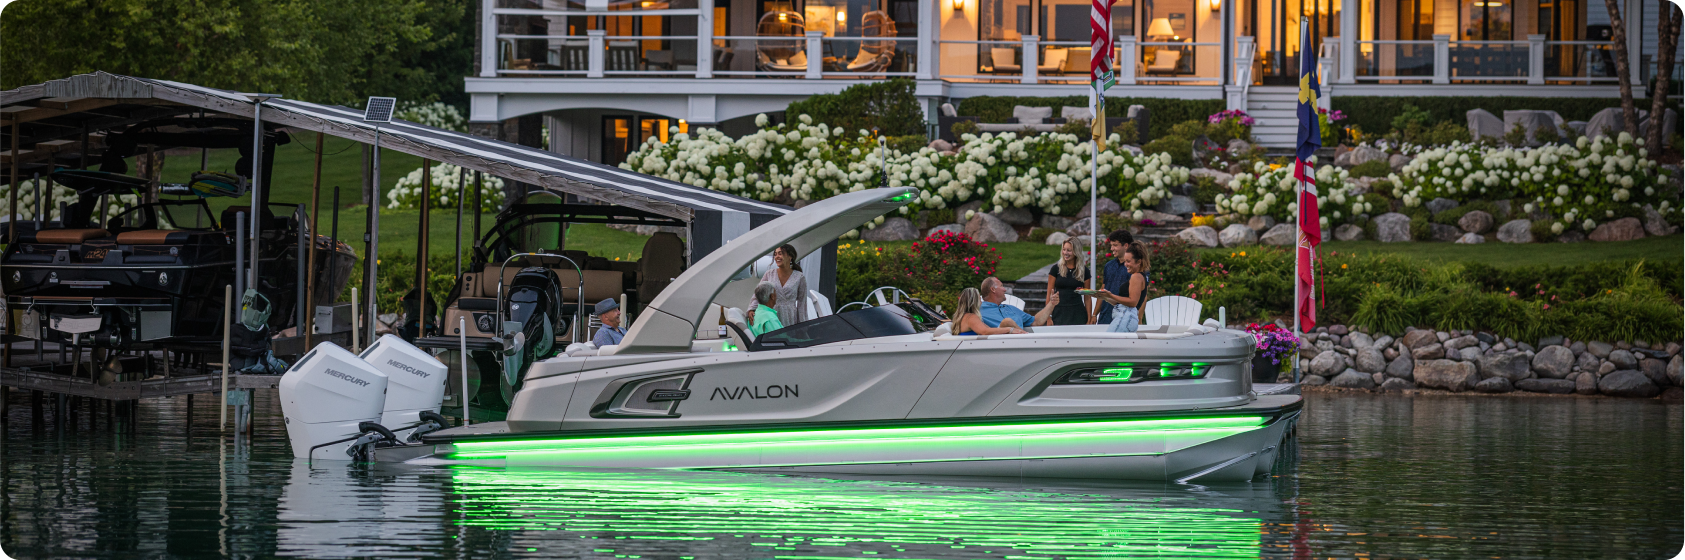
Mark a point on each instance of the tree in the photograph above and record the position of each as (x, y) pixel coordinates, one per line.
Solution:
(1667, 38)
(317, 50)
(1623, 70)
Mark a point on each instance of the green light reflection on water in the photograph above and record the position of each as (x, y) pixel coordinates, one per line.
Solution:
(817, 516)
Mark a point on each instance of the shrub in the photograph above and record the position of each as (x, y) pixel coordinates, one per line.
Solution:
(1180, 149)
(1228, 125)
(1164, 111)
(962, 128)
(1081, 128)
(1113, 222)
(1450, 217)
(939, 216)
(1372, 168)
(860, 269)
(1127, 132)
(1411, 115)
(1441, 134)
(940, 262)
(1517, 135)
(907, 144)
(1206, 190)
(447, 186)
(888, 106)
(1377, 113)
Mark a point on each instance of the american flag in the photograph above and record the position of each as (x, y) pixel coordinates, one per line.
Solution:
(1100, 73)
(1310, 222)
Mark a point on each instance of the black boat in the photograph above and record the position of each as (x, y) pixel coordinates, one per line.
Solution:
(153, 276)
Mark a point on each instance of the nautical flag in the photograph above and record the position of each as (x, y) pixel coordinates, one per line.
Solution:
(1100, 75)
(1310, 222)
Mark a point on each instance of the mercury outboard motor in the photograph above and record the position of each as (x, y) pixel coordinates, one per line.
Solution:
(529, 330)
(325, 399)
(416, 381)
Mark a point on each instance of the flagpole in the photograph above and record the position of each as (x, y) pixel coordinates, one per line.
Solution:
(1093, 191)
(1299, 214)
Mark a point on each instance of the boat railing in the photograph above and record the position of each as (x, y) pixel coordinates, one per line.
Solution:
(502, 303)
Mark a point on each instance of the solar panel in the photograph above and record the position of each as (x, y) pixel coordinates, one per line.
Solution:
(380, 109)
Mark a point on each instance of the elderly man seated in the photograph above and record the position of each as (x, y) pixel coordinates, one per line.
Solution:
(995, 313)
(610, 333)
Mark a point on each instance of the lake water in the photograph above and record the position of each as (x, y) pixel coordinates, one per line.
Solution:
(1368, 476)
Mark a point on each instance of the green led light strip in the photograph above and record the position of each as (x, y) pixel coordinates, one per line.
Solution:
(926, 436)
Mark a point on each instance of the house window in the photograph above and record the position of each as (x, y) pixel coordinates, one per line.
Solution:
(1485, 20)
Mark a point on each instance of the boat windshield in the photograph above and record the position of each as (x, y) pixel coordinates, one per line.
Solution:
(190, 214)
(871, 322)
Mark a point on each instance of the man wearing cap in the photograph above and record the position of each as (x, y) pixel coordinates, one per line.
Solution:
(608, 311)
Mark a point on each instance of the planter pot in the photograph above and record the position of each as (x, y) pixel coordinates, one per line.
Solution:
(1264, 371)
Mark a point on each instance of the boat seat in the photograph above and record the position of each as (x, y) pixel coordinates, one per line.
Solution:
(63, 236)
(738, 329)
(476, 304)
(155, 237)
(943, 329)
(599, 284)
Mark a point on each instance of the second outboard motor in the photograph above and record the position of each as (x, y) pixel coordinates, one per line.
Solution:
(324, 398)
(416, 381)
(536, 315)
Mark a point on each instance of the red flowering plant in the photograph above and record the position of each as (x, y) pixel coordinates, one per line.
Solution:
(1274, 342)
(944, 261)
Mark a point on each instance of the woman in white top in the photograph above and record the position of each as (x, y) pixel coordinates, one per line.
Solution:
(792, 286)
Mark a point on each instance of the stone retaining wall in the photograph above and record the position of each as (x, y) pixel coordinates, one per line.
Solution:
(1467, 361)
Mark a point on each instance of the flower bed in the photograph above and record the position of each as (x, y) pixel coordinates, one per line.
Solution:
(448, 183)
(805, 161)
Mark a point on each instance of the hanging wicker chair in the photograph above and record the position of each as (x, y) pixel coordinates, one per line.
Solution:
(787, 55)
(875, 55)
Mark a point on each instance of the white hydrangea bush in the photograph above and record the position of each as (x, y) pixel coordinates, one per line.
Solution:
(54, 193)
(436, 115)
(1268, 191)
(814, 161)
(1579, 184)
(448, 183)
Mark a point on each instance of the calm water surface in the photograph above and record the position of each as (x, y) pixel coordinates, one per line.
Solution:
(1369, 476)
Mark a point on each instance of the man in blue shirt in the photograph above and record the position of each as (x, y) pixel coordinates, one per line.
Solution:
(994, 312)
(610, 333)
(1114, 276)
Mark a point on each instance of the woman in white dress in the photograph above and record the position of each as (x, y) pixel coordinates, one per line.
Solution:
(792, 286)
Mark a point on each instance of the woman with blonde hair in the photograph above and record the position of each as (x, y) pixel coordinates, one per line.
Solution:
(1126, 315)
(968, 320)
(1067, 276)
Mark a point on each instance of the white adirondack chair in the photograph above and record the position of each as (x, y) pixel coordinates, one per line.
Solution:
(1172, 310)
(817, 305)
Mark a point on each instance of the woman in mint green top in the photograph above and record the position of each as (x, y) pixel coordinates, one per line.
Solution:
(765, 318)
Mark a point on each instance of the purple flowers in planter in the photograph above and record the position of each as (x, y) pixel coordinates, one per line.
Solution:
(1245, 120)
(1274, 342)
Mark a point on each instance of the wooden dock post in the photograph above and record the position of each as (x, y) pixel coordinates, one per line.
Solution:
(227, 330)
(308, 327)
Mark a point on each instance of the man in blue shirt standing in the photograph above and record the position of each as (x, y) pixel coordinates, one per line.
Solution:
(1114, 276)
(610, 333)
(994, 311)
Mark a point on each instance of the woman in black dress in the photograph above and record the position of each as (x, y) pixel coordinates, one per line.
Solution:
(1066, 277)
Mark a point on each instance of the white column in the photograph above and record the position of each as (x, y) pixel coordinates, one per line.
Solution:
(1348, 41)
(1536, 59)
(705, 41)
(1032, 58)
(815, 54)
(703, 110)
(1126, 59)
(1442, 59)
(488, 39)
(594, 53)
(930, 28)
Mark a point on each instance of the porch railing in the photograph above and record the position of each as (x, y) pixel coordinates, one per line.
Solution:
(1031, 60)
(1443, 61)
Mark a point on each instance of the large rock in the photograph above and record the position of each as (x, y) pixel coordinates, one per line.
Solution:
(1016, 216)
(1536, 385)
(1281, 235)
(1623, 359)
(1509, 365)
(1470, 239)
(1656, 370)
(1348, 232)
(973, 206)
(1236, 235)
(1392, 227)
(1159, 217)
(1516, 231)
(1238, 147)
(1443, 233)
(1328, 364)
(1494, 385)
(1445, 374)
(1313, 380)
(1476, 221)
(1441, 204)
(1432, 351)
(1369, 360)
(989, 229)
(1200, 236)
(1260, 224)
(1419, 338)
(1673, 371)
(1058, 238)
(1398, 161)
(1628, 383)
(1401, 367)
(1352, 379)
(1106, 206)
(1624, 229)
(1571, 236)
(892, 229)
(1553, 362)
(1050, 221)
(1365, 154)
(1461, 342)
(1585, 382)
(1221, 178)
(1654, 224)
(1483, 124)
(1469, 354)
(1600, 349)
(1397, 385)
(1178, 205)
(1082, 226)
(952, 228)
(1358, 340)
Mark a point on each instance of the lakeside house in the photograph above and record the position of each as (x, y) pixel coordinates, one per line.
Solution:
(601, 76)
